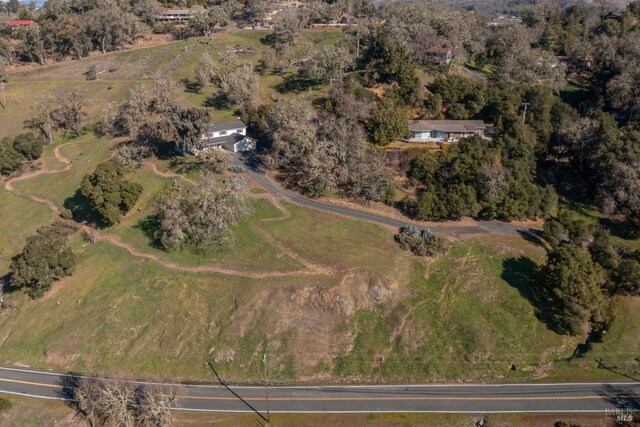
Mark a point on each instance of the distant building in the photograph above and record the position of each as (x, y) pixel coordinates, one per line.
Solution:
(175, 15)
(504, 21)
(439, 55)
(441, 131)
(14, 24)
(230, 136)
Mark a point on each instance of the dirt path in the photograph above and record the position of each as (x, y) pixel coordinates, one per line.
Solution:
(284, 248)
(156, 171)
(100, 236)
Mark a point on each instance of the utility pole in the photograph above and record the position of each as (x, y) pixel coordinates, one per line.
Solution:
(266, 420)
(266, 386)
(4, 97)
(524, 113)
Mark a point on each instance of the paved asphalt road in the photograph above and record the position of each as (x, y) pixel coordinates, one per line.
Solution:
(462, 398)
(483, 227)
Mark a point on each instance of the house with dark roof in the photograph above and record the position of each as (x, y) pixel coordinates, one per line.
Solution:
(230, 136)
(444, 131)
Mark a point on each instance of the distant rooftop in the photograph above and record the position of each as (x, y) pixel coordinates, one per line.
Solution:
(19, 23)
(176, 12)
(447, 125)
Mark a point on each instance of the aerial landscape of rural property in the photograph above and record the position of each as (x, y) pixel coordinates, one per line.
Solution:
(320, 213)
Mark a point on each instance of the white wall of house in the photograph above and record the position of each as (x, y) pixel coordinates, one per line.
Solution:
(440, 136)
(241, 131)
(247, 144)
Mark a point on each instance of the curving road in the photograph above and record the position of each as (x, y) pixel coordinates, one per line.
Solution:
(483, 227)
(450, 398)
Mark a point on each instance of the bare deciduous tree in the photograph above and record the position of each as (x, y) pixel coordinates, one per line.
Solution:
(121, 403)
(241, 85)
(69, 113)
(201, 219)
(153, 406)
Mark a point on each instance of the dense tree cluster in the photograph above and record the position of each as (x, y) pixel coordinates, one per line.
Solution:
(74, 29)
(14, 152)
(577, 280)
(109, 194)
(473, 178)
(150, 114)
(324, 154)
(237, 80)
(201, 219)
(45, 259)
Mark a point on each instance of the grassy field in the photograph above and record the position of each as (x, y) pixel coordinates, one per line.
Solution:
(371, 313)
(123, 70)
(327, 297)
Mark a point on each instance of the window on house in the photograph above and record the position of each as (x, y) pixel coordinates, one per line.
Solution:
(223, 132)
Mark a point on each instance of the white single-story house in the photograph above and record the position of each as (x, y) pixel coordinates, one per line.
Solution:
(230, 136)
(440, 131)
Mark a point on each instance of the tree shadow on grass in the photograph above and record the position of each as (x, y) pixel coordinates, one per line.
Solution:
(295, 84)
(186, 164)
(81, 211)
(151, 227)
(191, 86)
(219, 101)
(533, 236)
(617, 228)
(5, 284)
(526, 276)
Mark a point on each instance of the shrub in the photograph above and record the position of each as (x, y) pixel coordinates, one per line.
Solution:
(10, 159)
(237, 169)
(421, 243)
(29, 145)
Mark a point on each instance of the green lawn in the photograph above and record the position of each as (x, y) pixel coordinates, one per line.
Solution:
(248, 250)
(19, 218)
(84, 153)
(333, 240)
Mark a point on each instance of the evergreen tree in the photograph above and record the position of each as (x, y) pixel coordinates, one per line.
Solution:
(109, 194)
(573, 285)
(387, 123)
(44, 260)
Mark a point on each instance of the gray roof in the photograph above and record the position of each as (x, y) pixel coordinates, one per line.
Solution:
(447, 125)
(176, 12)
(233, 138)
(226, 126)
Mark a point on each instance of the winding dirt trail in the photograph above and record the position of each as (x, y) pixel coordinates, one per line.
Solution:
(100, 236)
(156, 171)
